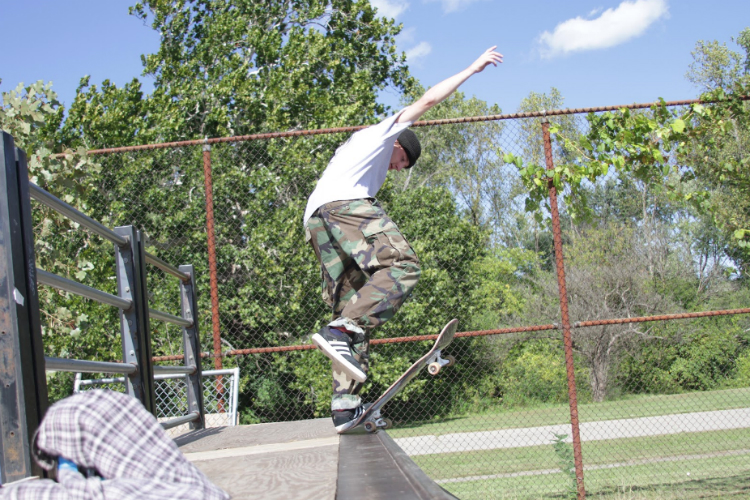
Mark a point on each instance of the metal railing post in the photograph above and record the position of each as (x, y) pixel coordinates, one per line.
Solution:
(134, 323)
(564, 313)
(23, 382)
(192, 346)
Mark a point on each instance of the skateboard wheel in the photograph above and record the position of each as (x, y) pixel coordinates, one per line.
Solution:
(451, 360)
(388, 423)
(433, 368)
(370, 426)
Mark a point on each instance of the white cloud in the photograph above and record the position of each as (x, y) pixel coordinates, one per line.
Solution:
(389, 8)
(613, 27)
(417, 52)
(453, 5)
(407, 36)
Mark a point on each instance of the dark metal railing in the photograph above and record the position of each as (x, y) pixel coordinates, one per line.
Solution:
(71, 286)
(169, 318)
(96, 227)
(177, 421)
(175, 370)
(24, 393)
(71, 213)
(84, 366)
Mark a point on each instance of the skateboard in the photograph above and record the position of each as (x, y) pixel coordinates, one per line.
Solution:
(371, 420)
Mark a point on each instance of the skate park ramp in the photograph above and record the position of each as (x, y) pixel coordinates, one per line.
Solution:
(306, 460)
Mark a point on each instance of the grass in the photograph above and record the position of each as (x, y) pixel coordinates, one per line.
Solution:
(627, 407)
(721, 477)
(612, 451)
(682, 466)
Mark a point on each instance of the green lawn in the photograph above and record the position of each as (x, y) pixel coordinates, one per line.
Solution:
(613, 451)
(686, 466)
(628, 407)
(721, 477)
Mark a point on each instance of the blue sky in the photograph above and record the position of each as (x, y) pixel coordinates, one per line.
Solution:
(596, 52)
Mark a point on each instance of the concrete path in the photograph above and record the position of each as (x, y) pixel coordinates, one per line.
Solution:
(590, 431)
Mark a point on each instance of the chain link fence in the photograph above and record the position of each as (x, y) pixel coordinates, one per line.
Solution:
(220, 391)
(537, 404)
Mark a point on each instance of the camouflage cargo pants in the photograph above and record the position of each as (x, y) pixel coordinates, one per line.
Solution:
(368, 269)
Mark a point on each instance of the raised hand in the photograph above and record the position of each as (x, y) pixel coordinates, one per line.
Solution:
(488, 57)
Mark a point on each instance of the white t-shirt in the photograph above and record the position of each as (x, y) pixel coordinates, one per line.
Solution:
(359, 167)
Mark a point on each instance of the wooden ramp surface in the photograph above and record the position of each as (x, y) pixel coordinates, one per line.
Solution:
(306, 460)
(287, 460)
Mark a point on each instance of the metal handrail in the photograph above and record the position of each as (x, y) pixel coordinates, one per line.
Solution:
(55, 203)
(153, 313)
(166, 267)
(181, 420)
(80, 365)
(175, 370)
(71, 286)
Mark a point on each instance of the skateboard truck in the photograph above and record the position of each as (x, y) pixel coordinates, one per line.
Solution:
(376, 421)
(435, 362)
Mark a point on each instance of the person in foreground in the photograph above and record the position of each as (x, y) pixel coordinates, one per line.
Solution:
(368, 267)
(104, 445)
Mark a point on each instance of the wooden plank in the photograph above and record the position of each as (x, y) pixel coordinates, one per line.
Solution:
(254, 435)
(301, 474)
(262, 449)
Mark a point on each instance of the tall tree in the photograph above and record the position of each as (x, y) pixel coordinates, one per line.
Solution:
(234, 67)
(719, 152)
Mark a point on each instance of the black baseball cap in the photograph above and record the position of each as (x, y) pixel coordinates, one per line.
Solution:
(410, 143)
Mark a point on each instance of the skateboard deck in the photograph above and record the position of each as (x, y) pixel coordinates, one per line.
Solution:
(371, 420)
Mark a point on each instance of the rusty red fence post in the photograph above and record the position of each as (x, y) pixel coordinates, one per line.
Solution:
(211, 234)
(213, 276)
(567, 339)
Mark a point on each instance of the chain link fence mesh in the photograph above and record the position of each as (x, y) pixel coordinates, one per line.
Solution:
(664, 407)
(170, 395)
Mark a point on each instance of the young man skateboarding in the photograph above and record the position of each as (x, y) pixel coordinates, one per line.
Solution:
(368, 267)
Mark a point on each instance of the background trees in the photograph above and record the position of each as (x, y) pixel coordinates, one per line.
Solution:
(719, 150)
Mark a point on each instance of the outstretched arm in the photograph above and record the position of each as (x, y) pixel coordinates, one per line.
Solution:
(445, 88)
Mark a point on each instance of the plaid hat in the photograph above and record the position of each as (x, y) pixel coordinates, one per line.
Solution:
(410, 143)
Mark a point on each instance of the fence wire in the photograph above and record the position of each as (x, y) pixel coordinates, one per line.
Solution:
(170, 395)
(663, 406)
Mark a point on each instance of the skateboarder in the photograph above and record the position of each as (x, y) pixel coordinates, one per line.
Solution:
(368, 267)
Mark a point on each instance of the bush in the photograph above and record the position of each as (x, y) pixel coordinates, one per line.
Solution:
(698, 356)
(742, 373)
(534, 373)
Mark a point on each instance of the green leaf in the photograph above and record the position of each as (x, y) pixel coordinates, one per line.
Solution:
(678, 126)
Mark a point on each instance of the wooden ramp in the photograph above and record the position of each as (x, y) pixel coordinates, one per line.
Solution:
(306, 460)
(372, 466)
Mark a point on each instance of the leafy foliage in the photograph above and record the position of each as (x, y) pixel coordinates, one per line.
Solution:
(232, 68)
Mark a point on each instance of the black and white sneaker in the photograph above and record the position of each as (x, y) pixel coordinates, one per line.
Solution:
(343, 419)
(337, 345)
